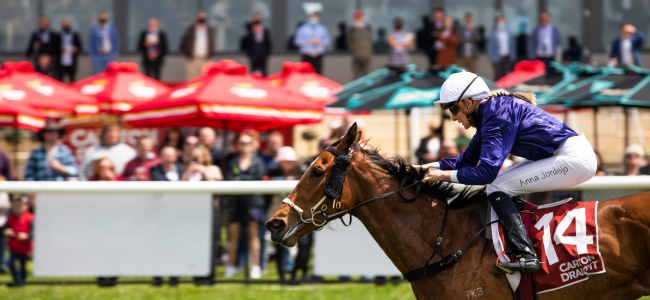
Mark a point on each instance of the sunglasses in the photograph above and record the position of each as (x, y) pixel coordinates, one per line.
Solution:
(452, 107)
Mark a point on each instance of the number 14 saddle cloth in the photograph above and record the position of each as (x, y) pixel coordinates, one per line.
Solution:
(565, 236)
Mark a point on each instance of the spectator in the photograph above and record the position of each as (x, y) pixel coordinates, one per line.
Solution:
(18, 231)
(446, 44)
(480, 43)
(207, 138)
(429, 148)
(422, 35)
(574, 53)
(434, 30)
(110, 147)
(449, 149)
(138, 168)
(104, 44)
(201, 167)
(70, 49)
(467, 47)
(186, 156)
(273, 145)
(462, 141)
(47, 66)
(5, 206)
(174, 138)
(43, 41)
(5, 167)
(625, 49)
(169, 169)
(544, 41)
(153, 47)
(51, 161)
(197, 46)
(246, 165)
(341, 42)
(521, 41)
(257, 45)
(291, 45)
(312, 38)
(400, 43)
(104, 170)
(501, 49)
(634, 161)
(359, 39)
(380, 45)
(600, 169)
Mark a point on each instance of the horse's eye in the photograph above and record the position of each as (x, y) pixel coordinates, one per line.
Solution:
(317, 172)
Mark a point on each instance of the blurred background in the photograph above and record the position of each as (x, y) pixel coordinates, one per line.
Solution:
(254, 90)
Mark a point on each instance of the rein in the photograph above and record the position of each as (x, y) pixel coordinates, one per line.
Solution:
(335, 188)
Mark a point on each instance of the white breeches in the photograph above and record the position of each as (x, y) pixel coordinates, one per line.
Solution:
(573, 163)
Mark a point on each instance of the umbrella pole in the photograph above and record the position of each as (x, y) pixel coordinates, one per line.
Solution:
(627, 125)
(594, 117)
(225, 145)
(15, 153)
(396, 132)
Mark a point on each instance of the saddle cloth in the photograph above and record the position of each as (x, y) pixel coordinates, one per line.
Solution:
(565, 237)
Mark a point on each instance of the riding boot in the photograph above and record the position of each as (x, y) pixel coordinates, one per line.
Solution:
(525, 257)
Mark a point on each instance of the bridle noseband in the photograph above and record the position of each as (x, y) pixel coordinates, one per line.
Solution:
(334, 189)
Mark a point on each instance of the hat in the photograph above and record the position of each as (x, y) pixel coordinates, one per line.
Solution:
(635, 149)
(358, 13)
(471, 84)
(50, 126)
(286, 153)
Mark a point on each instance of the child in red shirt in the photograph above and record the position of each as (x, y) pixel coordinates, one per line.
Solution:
(18, 231)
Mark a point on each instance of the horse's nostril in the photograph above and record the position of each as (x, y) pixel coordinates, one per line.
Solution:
(275, 225)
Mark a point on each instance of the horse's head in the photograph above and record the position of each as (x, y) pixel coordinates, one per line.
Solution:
(322, 184)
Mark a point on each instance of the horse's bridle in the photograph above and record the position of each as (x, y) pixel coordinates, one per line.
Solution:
(334, 190)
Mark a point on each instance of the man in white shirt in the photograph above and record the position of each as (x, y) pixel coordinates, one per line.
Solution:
(197, 46)
(545, 41)
(625, 49)
(110, 147)
(501, 48)
(467, 49)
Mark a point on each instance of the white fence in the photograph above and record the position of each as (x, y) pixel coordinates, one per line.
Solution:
(163, 228)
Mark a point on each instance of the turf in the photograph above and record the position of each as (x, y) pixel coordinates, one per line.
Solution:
(220, 291)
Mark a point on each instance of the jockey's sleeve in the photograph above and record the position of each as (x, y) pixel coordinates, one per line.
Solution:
(467, 158)
(497, 139)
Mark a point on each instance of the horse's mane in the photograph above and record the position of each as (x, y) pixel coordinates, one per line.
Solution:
(441, 190)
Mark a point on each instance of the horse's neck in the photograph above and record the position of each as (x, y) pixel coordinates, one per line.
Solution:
(407, 231)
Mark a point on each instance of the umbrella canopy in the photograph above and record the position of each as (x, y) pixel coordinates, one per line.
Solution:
(524, 70)
(614, 89)
(19, 115)
(300, 78)
(420, 91)
(23, 71)
(120, 87)
(227, 92)
(14, 89)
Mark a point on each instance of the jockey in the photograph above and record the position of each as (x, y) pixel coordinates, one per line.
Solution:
(557, 157)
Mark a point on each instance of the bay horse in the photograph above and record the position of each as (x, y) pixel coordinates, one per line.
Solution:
(407, 230)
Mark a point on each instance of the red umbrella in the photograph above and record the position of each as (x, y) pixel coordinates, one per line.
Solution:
(14, 89)
(227, 92)
(19, 115)
(120, 87)
(23, 71)
(300, 78)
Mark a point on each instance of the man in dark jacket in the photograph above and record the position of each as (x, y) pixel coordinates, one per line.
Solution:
(197, 46)
(436, 26)
(169, 169)
(153, 47)
(70, 48)
(43, 41)
(257, 45)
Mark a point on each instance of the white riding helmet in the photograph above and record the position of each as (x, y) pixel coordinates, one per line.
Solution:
(463, 84)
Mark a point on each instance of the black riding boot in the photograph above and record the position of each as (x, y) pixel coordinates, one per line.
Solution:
(523, 250)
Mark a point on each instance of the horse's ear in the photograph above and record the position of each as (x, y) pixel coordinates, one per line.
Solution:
(348, 139)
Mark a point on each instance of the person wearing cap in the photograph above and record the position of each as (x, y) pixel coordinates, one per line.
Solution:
(359, 40)
(634, 161)
(556, 156)
(51, 161)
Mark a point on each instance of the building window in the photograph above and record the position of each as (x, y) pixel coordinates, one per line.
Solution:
(229, 20)
(82, 14)
(332, 14)
(17, 21)
(567, 17)
(173, 16)
(615, 12)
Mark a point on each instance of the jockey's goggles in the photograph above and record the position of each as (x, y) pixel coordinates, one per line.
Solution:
(453, 106)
